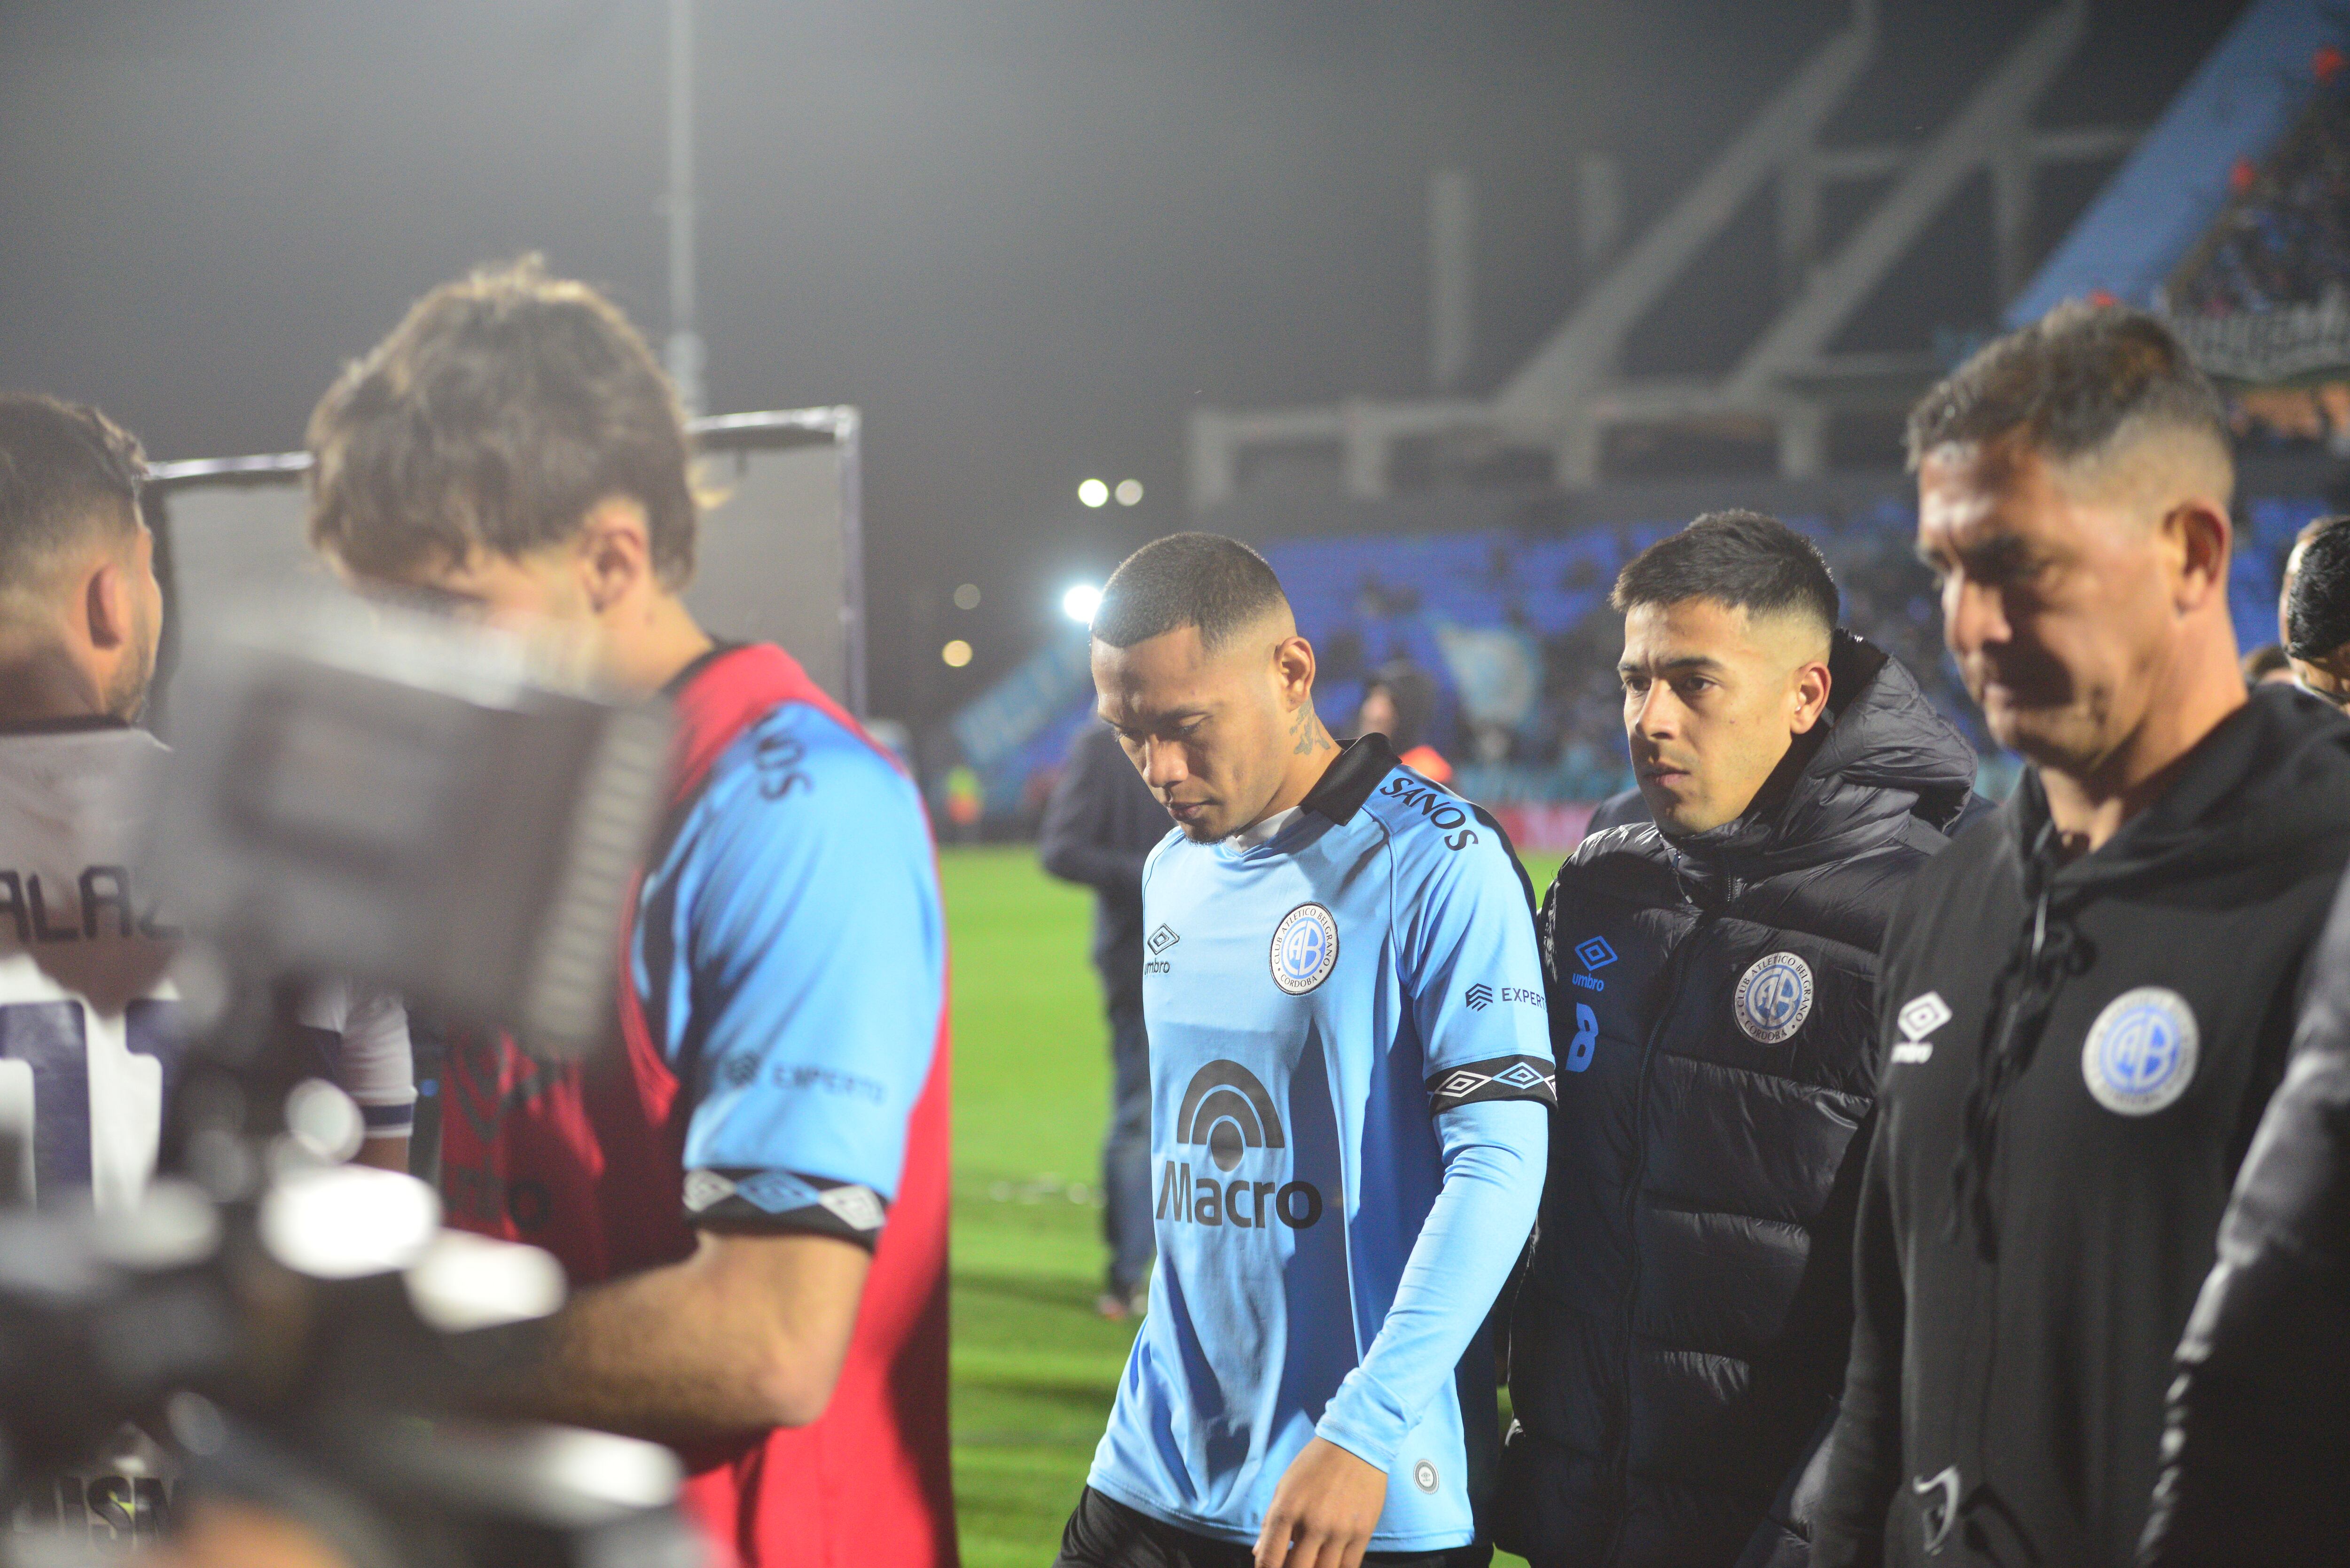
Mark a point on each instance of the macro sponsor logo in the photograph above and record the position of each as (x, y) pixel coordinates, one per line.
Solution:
(1227, 1112)
(1480, 996)
(1442, 809)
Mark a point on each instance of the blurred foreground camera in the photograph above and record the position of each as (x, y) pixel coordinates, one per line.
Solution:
(389, 797)
(384, 798)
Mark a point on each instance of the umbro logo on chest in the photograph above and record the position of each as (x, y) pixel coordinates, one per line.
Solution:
(1919, 1016)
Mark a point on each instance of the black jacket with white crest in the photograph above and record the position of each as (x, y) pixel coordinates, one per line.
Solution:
(2076, 1054)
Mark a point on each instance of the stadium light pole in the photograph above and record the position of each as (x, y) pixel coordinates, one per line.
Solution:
(683, 352)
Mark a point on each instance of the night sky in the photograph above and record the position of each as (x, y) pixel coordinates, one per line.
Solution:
(1024, 237)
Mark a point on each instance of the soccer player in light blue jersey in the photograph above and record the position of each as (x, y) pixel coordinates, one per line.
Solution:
(1350, 1082)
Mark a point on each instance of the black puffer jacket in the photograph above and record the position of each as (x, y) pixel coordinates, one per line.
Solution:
(1678, 1340)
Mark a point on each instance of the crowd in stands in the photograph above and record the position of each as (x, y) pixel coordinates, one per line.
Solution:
(1457, 607)
(2284, 238)
(1568, 744)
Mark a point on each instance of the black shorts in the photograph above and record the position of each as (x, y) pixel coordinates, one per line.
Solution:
(1106, 1533)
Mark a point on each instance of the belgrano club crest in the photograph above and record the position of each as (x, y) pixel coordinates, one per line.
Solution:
(1773, 998)
(1304, 949)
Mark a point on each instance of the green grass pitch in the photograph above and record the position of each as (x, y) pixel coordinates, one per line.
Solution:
(1033, 1368)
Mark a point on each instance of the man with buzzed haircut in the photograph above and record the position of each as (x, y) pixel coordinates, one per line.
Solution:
(1676, 1343)
(89, 1027)
(2088, 997)
(2313, 609)
(1349, 1084)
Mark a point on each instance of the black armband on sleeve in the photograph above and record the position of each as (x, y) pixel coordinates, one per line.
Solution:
(744, 1199)
(1501, 1078)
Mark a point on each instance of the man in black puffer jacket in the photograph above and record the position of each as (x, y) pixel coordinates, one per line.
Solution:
(1676, 1345)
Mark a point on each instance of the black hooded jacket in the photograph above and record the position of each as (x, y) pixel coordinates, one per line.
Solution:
(2075, 1057)
(2256, 1471)
(1677, 1341)
(1100, 824)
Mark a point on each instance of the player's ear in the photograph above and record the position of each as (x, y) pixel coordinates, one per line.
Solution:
(1293, 665)
(615, 552)
(1808, 696)
(107, 614)
(2197, 535)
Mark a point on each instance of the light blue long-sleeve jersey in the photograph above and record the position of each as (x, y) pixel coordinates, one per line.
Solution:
(1350, 1074)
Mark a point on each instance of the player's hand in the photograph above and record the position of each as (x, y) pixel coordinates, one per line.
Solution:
(1323, 1512)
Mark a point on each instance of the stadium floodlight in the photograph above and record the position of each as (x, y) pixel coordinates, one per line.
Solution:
(1129, 492)
(1080, 602)
(956, 654)
(1093, 493)
(967, 597)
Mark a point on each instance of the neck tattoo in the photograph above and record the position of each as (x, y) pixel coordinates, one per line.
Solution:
(1305, 729)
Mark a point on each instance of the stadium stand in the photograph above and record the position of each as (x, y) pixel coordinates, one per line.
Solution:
(1516, 628)
(2264, 297)
(2230, 214)
(2283, 239)
(2246, 95)
(2232, 217)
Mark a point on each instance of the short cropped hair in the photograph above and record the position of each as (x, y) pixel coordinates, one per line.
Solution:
(1218, 585)
(67, 474)
(495, 417)
(2317, 604)
(1741, 559)
(2069, 384)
